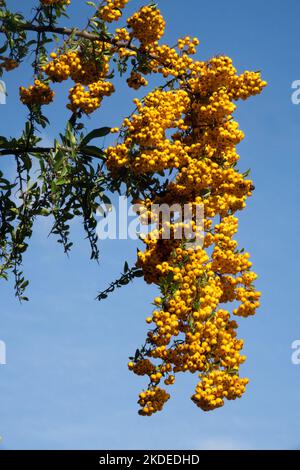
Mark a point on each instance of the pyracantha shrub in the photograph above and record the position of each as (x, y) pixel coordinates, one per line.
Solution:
(178, 147)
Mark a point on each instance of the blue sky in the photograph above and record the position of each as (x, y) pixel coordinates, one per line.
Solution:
(66, 383)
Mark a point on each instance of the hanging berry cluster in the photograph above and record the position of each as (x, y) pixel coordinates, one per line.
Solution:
(189, 129)
(184, 129)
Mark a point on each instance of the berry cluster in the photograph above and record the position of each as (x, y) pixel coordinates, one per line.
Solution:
(111, 11)
(38, 94)
(84, 70)
(136, 81)
(147, 25)
(190, 130)
(152, 400)
(216, 386)
(88, 101)
(183, 136)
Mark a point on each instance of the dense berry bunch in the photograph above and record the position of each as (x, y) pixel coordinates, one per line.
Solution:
(88, 101)
(84, 70)
(188, 45)
(78, 65)
(152, 400)
(178, 148)
(147, 129)
(136, 81)
(216, 386)
(111, 11)
(147, 24)
(38, 94)
(190, 130)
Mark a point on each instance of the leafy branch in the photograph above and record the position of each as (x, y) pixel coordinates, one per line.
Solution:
(128, 276)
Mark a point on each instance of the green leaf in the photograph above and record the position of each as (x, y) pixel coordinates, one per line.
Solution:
(126, 267)
(102, 132)
(138, 273)
(62, 181)
(59, 160)
(44, 212)
(26, 161)
(246, 173)
(3, 49)
(3, 141)
(93, 151)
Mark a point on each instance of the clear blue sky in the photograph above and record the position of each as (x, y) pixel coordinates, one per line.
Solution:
(66, 383)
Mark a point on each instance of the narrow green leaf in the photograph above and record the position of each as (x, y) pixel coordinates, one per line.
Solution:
(102, 132)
